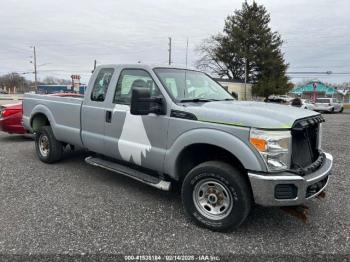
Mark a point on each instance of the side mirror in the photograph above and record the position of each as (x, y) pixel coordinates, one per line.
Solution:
(143, 104)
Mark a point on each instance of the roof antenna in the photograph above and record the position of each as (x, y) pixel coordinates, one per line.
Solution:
(186, 52)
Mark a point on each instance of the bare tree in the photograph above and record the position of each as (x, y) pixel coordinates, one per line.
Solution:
(210, 61)
(51, 80)
(14, 80)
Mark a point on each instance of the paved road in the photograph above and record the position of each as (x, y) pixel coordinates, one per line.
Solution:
(73, 207)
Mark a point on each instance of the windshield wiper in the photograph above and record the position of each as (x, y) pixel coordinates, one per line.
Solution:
(226, 99)
(196, 100)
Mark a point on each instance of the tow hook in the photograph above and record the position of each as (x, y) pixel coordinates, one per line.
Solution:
(301, 212)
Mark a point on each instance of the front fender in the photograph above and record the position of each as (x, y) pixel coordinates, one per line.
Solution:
(219, 138)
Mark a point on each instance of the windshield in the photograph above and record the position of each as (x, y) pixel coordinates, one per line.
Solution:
(323, 100)
(186, 85)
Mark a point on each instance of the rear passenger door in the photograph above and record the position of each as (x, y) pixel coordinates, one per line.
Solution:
(93, 115)
(138, 140)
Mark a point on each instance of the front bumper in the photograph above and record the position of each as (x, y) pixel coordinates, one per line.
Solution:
(264, 185)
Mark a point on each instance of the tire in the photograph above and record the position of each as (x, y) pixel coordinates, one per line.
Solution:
(48, 149)
(332, 110)
(220, 182)
(341, 110)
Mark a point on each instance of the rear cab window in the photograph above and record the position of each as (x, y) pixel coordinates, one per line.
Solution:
(99, 90)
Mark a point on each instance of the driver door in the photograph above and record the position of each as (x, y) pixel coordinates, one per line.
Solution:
(138, 140)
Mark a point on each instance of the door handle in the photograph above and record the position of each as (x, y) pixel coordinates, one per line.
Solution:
(108, 116)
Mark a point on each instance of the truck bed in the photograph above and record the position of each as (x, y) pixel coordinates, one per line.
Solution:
(62, 112)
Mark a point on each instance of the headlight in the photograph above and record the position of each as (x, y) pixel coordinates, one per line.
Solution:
(273, 146)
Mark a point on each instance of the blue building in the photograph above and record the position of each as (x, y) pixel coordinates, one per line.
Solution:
(51, 89)
(82, 89)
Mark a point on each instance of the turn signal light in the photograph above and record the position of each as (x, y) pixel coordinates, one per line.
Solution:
(259, 144)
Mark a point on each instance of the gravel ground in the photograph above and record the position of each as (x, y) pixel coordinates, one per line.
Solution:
(75, 208)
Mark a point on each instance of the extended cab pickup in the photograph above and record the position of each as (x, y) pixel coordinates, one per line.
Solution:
(162, 125)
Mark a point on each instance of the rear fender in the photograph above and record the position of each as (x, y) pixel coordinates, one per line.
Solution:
(41, 109)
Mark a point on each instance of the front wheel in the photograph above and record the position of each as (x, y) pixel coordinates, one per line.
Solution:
(216, 195)
(48, 149)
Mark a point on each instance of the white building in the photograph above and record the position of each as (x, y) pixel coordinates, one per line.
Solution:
(237, 87)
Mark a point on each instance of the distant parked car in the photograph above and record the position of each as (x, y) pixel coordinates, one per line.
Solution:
(11, 115)
(302, 103)
(282, 98)
(330, 105)
(275, 100)
(3, 92)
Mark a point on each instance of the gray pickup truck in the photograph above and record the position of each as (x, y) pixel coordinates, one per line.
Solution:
(163, 126)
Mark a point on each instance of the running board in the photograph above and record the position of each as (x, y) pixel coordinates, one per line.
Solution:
(129, 172)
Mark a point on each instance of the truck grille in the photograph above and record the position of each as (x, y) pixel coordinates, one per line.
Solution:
(306, 156)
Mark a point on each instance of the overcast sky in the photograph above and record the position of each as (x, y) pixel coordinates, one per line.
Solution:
(69, 35)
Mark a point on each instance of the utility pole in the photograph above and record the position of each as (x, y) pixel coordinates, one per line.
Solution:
(245, 79)
(169, 50)
(35, 71)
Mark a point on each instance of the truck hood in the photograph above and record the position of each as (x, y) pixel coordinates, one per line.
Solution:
(248, 114)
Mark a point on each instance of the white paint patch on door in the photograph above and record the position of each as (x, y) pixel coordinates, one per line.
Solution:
(133, 142)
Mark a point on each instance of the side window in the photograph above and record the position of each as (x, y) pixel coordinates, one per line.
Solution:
(101, 84)
(130, 78)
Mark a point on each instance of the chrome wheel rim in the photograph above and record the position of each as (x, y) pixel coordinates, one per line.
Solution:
(212, 199)
(44, 145)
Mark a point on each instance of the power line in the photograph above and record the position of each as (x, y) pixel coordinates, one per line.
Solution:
(312, 73)
(318, 73)
(318, 66)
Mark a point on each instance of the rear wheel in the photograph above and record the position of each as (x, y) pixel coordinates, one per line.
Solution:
(48, 149)
(216, 195)
(341, 110)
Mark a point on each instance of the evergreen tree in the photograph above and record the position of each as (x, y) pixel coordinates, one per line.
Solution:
(248, 44)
